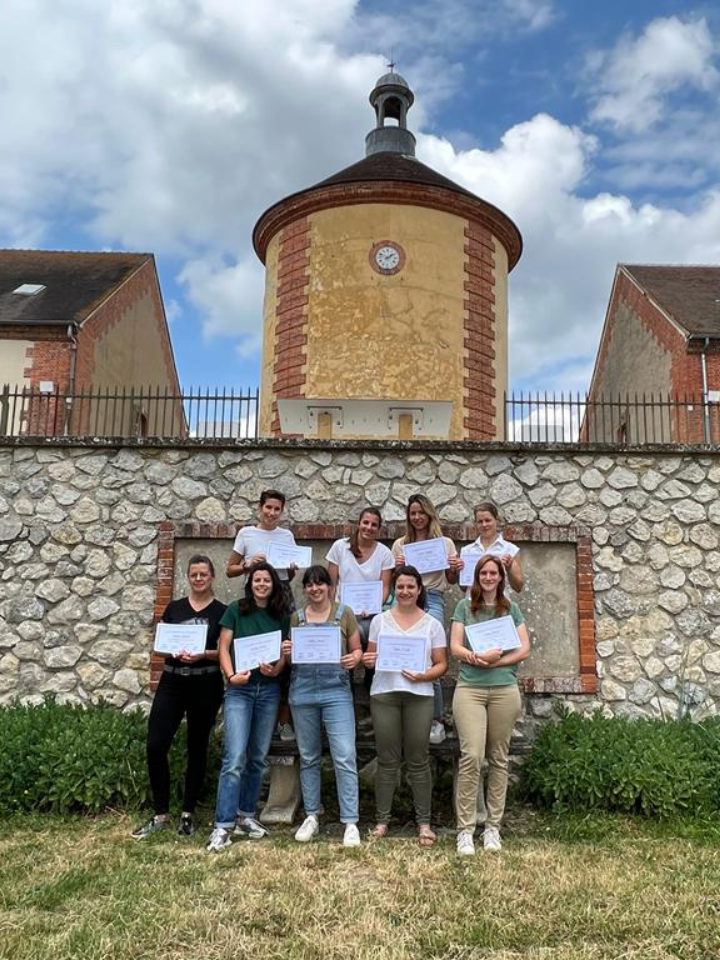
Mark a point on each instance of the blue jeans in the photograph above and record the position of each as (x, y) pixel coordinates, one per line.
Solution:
(322, 695)
(249, 716)
(435, 606)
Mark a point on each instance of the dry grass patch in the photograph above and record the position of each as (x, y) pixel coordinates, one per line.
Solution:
(85, 889)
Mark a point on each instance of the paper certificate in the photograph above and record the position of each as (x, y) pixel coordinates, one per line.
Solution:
(250, 652)
(313, 643)
(501, 548)
(176, 638)
(500, 632)
(470, 557)
(400, 651)
(426, 556)
(283, 555)
(362, 596)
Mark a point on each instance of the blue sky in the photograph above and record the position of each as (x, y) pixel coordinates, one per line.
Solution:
(170, 125)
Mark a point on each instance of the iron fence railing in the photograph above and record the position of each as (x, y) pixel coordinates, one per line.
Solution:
(153, 412)
(620, 419)
(233, 414)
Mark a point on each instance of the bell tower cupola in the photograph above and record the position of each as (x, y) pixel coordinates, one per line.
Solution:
(391, 98)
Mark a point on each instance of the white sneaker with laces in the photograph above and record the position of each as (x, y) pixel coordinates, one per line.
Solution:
(491, 840)
(219, 840)
(352, 836)
(308, 829)
(437, 732)
(465, 843)
(250, 827)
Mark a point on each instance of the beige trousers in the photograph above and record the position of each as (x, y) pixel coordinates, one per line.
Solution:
(484, 720)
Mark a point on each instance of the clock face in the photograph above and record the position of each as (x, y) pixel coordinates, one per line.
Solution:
(387, 257)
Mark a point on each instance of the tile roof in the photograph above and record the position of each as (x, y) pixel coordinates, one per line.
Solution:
(393, 166)
(690, 295)
(75, 283)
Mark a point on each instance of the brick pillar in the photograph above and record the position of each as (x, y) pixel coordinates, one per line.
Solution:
(479, 400)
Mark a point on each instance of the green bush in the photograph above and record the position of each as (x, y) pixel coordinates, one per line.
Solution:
(649, 767)
(69, 758)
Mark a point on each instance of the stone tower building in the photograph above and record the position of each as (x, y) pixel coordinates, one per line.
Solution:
(386, 298)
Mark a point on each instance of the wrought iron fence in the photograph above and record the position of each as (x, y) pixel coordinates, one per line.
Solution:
(233, 414)
(153, 412)
(621, 419)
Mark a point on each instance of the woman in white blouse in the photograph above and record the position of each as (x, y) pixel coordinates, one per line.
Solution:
(358, 558)
(401, 703)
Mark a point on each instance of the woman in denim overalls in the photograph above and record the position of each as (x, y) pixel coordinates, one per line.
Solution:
(321, 694)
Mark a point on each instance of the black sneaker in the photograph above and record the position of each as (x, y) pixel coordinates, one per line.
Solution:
(187, 826)
(152, 826)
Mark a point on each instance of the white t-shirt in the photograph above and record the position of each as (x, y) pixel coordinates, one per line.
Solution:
(253, 540)
(498, 548)
(434, 634)
(349, 570)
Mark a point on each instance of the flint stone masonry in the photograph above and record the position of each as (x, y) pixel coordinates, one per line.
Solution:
(81, 555)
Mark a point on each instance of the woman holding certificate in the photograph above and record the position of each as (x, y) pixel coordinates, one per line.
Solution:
(490, 639)
(490, 540)
(407, 648)
(435, 557)
(191, 687)
(251, 659)
(325, 646)
(363, 569)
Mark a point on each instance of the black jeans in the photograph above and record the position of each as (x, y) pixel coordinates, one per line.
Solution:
(197, 698)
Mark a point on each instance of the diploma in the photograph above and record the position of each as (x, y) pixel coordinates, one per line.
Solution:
(426, 555)
(316, 644)
(500, 632)
(501, 547)
(362, 596)
(284, 555)
(471, 556)
(176, 638)
(398, 651)
(259, 648)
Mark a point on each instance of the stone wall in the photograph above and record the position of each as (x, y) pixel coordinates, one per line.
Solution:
(84, 534)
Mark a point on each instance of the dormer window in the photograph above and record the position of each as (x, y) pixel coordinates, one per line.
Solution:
(29, 289)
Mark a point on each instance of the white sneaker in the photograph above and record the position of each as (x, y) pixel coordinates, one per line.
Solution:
(491, 839)
(250, 827)
(308, 829)
(437, 732)
(352, 836)
(219, 840)
(465, 843)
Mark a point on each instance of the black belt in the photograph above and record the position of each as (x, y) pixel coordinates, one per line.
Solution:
(191, 671)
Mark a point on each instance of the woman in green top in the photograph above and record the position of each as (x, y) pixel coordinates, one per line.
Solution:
(486, 703)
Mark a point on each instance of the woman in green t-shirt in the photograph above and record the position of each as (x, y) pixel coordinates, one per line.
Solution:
(486, 704)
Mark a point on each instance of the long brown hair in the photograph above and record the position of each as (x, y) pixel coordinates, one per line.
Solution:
(477, 600)
(434, 528)
(354, 539)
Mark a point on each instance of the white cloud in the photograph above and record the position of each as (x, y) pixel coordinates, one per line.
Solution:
(229, 298)
(635, 78)
(560, 289)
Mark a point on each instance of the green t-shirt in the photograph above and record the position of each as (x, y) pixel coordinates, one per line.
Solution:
(249, 624)
(480, 676)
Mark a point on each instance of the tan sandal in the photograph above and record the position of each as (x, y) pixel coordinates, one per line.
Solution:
(426, 837)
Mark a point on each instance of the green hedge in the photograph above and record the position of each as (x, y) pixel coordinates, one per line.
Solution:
(69, 758)
(649, 767)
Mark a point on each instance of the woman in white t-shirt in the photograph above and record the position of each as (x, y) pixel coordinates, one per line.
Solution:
(360, 557)
(401, 703)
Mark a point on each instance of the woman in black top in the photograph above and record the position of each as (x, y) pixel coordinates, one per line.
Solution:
(190, 686)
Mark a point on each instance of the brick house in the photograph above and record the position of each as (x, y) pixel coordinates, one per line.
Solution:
(73, 324)
(660, 343)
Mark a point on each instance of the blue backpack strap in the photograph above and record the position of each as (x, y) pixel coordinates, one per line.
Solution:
(300, 614)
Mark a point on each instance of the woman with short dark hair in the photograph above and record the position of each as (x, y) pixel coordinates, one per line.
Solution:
(190, 687)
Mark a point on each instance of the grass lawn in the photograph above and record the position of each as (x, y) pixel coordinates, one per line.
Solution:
(568, 888)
